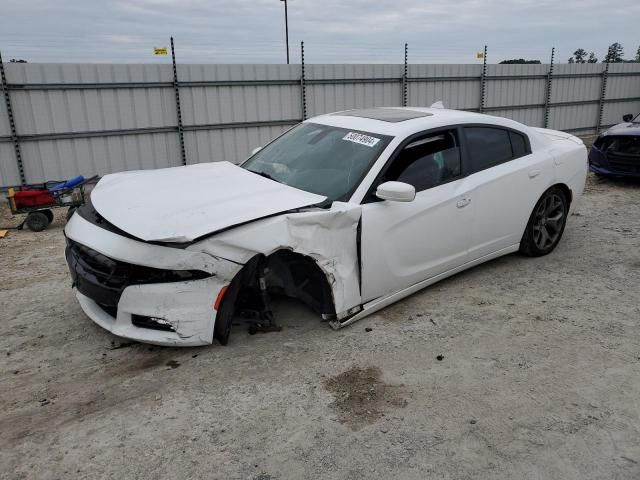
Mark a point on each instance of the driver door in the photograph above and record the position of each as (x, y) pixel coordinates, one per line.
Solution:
(403, 243)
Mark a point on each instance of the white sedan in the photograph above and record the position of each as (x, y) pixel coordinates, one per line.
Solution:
(347, 212)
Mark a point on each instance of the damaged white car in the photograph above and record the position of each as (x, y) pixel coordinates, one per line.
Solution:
(347, 212)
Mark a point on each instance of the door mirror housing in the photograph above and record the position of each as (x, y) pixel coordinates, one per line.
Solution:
(396, 192)
(627, 117)
(255, 150)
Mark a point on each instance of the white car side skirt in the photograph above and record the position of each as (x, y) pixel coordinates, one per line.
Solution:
(379, 303)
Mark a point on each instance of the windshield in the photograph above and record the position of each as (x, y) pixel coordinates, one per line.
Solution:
(325, 160)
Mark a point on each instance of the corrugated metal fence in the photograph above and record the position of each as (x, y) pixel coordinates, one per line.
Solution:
(90, 119)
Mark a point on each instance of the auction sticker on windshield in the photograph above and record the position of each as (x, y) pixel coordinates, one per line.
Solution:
(361, 139)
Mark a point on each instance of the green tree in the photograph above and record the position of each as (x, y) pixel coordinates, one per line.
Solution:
(638, 55)
(614, 53)
(580, 56)
(518, 60)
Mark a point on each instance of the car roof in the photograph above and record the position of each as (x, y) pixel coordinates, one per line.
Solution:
(404, 121)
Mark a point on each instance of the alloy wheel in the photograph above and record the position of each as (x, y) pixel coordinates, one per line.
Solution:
(548, 221)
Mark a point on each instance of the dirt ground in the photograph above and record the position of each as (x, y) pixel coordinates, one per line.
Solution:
(517, 369)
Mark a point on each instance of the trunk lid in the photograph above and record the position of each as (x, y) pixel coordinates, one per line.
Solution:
(558, 135)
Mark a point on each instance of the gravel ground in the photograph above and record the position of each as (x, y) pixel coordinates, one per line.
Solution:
(519, 368)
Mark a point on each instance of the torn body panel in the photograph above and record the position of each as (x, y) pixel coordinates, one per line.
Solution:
(117, 293)
(136, 252)
(329, 237)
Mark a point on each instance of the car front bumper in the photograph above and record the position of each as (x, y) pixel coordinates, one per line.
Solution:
(600, 163)
(176, 313)
(185, 310)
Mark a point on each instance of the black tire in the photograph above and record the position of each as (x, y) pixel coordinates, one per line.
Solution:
(224, 318)
(546, 223)
(48, 213)
(70, 213)
(37, 221)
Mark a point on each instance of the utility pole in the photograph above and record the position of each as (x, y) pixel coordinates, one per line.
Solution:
(286, 27)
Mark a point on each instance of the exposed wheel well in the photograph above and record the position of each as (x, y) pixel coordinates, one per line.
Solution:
(286, 273)
(299, 276)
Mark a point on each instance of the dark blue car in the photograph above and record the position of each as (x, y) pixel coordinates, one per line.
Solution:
(616, 152)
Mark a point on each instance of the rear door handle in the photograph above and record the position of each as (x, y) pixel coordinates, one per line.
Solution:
(534, 173)
(463, 202)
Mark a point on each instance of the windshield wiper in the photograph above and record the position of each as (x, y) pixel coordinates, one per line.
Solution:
(265, 175)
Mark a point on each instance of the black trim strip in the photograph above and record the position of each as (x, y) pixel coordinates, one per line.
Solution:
(296, 82)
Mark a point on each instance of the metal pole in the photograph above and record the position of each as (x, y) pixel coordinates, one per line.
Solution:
(404, 76)
(286, 27)
(547, 103)
(303, 93)
(176, 88)
(483, 81)
(12, 123)
(603, 96)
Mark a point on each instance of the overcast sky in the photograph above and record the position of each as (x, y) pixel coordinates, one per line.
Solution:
(334, 31)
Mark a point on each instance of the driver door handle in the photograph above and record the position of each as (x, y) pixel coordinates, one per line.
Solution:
(463, 202)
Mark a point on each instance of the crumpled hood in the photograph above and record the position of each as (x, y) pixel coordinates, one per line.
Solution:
(181, 204)
(631, 129)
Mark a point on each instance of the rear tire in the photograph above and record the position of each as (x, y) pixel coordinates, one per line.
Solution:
(37, 221)
(70, 213)
(546, 224)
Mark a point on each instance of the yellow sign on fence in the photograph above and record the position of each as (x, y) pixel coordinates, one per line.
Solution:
(480, 55)
(160, 51)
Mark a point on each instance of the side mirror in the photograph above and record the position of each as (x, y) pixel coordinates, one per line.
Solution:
(255, 150)
(396, 192)
(627, 118)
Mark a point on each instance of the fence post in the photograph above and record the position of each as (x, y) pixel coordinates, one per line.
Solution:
(12, 123)
(603, 96)
(483, 81)
(176, 88)
(303, 87)
(404, 76)
(547, 102)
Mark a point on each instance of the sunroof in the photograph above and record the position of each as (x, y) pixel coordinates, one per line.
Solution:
(392, 115)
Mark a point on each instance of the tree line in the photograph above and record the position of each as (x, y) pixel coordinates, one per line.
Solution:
(615, 54)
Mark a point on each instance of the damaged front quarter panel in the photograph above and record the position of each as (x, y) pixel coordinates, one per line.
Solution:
(329, 237)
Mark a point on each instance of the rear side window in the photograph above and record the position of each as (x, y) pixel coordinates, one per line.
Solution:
(518, 145)
(489, 146)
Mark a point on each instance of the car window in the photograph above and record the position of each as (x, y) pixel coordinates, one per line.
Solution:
(321, 159)
(518, 144)
(491, 146)
(427, 162)
(487, 147)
